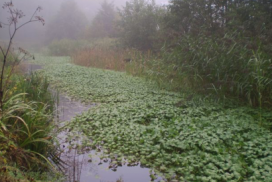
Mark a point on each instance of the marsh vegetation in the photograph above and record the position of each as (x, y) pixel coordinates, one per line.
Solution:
(183, 88)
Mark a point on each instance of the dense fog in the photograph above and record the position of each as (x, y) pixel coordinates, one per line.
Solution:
(176, 90)
(35, 32)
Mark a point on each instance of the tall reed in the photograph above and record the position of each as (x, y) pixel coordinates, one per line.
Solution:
(223, 66)
(113, 59)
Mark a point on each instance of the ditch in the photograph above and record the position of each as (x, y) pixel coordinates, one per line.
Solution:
(85, 165)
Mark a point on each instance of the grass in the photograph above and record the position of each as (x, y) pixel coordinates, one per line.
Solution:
(179, 137)
(26, 138)
(225, 69)
(100, 58)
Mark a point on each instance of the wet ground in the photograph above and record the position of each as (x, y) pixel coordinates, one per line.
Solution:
(85, 165)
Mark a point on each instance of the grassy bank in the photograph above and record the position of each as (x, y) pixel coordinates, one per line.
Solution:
(27, 152)
(181, 137)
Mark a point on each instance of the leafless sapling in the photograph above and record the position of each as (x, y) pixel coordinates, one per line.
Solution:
(9, 52)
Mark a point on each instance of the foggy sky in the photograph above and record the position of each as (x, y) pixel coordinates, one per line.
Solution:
(50, 8)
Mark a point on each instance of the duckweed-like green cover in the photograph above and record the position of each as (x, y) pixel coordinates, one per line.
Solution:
(176, 137)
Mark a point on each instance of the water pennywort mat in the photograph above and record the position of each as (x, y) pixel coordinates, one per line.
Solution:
(85, 165)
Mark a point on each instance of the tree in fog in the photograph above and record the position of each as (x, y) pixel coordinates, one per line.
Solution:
(216, 17)
(139, 24)
(103, 24)
(69, 22)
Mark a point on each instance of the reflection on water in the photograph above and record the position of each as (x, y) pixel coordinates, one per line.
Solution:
(84, 165)
(28, 68)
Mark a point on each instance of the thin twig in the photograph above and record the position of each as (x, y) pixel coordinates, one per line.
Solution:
(26, 23)
(9, 31)
(12, 20)
(2, 50)
(34, 14)
(29, 20)
(15, 15)
(4, 23)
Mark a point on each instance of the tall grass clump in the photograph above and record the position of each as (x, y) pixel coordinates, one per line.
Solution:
(26, 135)
(231, 67)
(26, 110)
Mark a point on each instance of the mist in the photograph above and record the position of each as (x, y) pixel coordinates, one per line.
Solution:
(176, 90)
(36, 32)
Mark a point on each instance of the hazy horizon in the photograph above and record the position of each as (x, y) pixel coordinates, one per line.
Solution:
(49, 9)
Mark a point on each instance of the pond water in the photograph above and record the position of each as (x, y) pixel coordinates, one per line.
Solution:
(85, 165)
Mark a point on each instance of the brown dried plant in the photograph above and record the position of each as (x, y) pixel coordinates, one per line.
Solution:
(8, 52)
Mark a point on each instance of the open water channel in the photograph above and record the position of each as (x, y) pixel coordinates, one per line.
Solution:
(85, 165)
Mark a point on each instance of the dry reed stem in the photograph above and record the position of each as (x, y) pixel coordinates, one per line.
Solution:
(109, 58)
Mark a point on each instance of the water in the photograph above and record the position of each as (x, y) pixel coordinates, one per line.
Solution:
(85, 165)
(28, 68)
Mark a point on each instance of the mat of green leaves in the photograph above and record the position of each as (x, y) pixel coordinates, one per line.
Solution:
(179, 138)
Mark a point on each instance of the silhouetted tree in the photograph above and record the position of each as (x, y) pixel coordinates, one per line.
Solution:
(103, 24)
(139, 24)
(216, 17)
(68, 23)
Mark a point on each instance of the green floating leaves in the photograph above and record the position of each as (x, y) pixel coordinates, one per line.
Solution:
(137, 122)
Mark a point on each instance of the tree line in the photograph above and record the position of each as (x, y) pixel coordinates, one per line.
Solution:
(206, 42)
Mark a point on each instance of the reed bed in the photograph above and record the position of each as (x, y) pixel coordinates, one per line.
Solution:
(129, 60)
(230, 67)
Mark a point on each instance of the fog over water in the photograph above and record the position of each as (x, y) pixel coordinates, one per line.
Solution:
(35, 31)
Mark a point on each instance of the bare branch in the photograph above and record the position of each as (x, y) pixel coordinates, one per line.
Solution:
(2, 51)
(26, 23)
(12, 70)
(2, 23)
(15, 15)
(33, 14)
(9, 31)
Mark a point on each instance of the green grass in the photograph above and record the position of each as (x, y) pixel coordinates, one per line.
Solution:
(176, 135)
(26, 135)
(226, 67)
